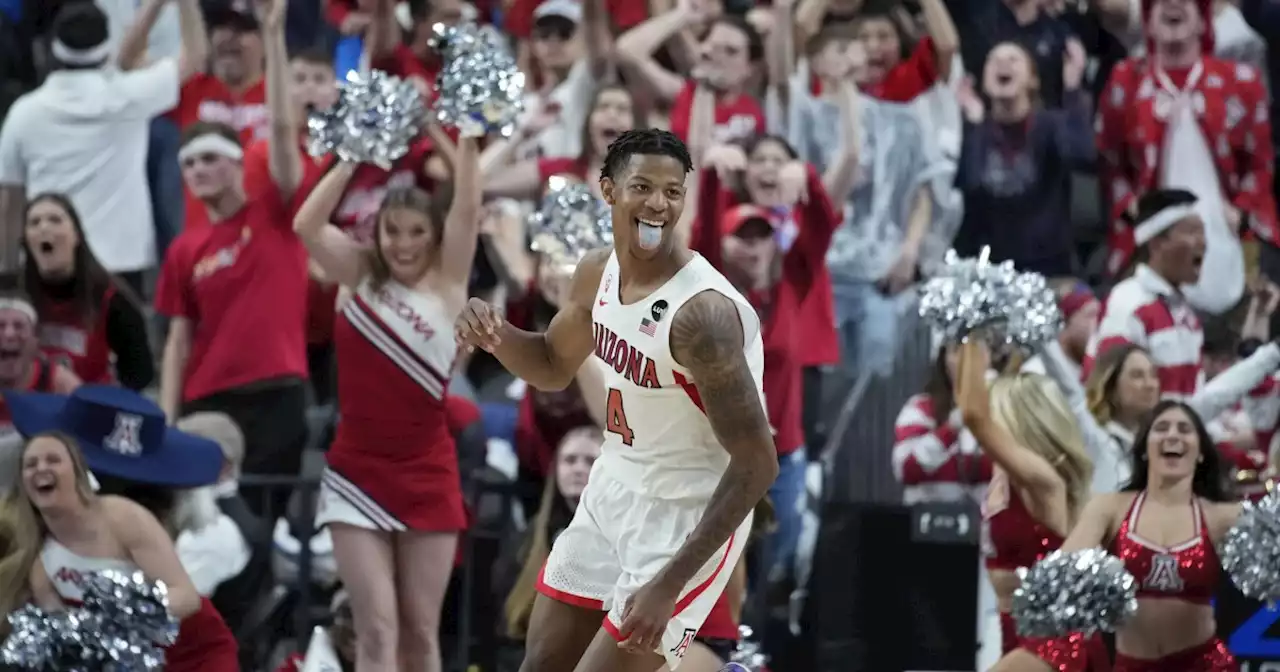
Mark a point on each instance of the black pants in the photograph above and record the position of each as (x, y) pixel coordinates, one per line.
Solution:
(274, 422)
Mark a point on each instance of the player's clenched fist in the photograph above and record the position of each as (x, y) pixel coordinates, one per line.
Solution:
(478, 326)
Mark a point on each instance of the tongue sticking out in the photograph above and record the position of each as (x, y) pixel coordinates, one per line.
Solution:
(649, 237)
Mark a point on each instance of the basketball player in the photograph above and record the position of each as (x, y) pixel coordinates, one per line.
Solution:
(687, 453)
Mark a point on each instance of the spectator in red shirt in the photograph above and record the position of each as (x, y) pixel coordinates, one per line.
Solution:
(412, 57)
(232, 91)
(240, 281)
(897, 71)
(612, 111)
(90, 322)
(729, 54)
(772, 246)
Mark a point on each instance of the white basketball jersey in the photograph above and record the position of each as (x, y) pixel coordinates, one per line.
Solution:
(657, 437)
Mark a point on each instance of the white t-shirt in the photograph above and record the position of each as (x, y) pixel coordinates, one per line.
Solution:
(84, 133)
(563, 139)
(165, 40)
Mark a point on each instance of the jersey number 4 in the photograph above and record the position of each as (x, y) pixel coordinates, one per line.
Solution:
(615, 418)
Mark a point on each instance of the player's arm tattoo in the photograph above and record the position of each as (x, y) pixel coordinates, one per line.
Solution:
(707, 338)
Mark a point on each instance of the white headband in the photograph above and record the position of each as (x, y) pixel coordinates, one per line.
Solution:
(19, 305)
(1161, 221)
(90, 56)
(210, 143)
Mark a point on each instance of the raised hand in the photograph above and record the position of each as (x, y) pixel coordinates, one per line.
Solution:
(478, 326)
(793, 183)
(725, 159)
(970, 103)
(270, 13)
(1074, 60)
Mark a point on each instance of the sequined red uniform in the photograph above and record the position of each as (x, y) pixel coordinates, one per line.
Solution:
(1016, 539)
(1188, 571)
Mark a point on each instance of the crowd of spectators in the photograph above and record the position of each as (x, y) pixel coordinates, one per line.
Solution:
(151, 169)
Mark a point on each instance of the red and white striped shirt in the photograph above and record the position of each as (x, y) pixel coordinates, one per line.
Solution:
(936, 463)
(1262, 406)
(1147, 311)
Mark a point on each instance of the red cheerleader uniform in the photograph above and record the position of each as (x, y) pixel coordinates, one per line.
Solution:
(1189, 572)
(393, 465)
(204, 643)
(1016, 539)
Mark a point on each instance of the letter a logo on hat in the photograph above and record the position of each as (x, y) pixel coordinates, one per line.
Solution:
(124, 439)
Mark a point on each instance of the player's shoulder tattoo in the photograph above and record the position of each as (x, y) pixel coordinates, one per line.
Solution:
(706, 333)
(707, 338)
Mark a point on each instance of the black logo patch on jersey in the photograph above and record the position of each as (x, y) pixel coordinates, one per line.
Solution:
(658, 309)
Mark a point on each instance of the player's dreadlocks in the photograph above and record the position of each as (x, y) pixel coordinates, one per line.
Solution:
(650, 141)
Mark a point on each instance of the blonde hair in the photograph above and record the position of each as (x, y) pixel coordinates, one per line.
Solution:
(1032, 409)
(22, 528)
(1100, 387)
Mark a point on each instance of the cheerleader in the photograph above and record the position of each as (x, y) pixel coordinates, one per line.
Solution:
(1165, 525)
(1040, 483)
(61, 530)
(391, 494)
(89, 322)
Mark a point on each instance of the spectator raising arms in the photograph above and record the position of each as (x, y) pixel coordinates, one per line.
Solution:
(611, 112)
(570, 53)
(1204, 129)
(727, 58)
(83, 133)
(391, 494)
(896, 71)
(89, 323)
(241, 280)
(1016, 161)
(772, 248)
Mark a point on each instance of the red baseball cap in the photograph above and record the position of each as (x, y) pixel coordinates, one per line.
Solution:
(736, 218)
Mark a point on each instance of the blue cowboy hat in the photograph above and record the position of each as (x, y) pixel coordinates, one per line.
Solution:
(121, 434)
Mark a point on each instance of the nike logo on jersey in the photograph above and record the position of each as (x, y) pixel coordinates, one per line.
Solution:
(603, 302)
(625, 359)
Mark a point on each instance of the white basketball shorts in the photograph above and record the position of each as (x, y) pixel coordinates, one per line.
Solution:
(618, 541)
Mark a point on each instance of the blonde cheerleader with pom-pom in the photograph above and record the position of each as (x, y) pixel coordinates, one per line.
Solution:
(1041, 481)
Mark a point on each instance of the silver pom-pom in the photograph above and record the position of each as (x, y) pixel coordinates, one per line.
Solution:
(481, 87)
(375, 120)
(133, 605)
(748, 657)
(569, 222)
(1251, 551)
(122, 625)
(1082, 591)
(1011, 308)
